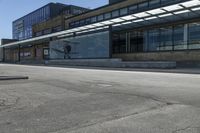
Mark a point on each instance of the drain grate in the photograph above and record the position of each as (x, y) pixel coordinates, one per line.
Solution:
(12, 77)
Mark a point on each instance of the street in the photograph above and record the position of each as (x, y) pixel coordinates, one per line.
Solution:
(75, 100)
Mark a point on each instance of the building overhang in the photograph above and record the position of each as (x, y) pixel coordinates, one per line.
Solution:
(178, 10)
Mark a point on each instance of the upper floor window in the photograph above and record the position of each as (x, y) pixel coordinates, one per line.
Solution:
(115, 13)
(82, 22)
(153, 3)
(124, 11)
(100, 17)
(47, 31)
(38, 33)
(57, 28)
(88, 21)
(76, 23)
(133, 8)
(142, 6)
(107, 15)
(94, 19)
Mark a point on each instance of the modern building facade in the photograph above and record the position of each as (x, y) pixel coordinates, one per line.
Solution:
(133, 30)
(158, 30)
(57, 23)
(115, 1)
(22, 27)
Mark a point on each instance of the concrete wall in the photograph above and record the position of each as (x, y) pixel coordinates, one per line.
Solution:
(94, 45)
(192, 55)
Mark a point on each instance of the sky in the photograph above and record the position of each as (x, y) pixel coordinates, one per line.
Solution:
(11, 10)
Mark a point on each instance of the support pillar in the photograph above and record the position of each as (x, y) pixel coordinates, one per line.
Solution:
(19, 51)
(186, 36)
(110, 42)
(4, 54)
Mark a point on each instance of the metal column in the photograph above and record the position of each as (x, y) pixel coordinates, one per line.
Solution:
(19, 51)
(4, 55)
(110, 41)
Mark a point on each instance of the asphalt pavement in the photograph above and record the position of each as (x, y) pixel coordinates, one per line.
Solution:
(76, 100)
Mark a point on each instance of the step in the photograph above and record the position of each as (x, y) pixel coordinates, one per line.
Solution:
(114, 63)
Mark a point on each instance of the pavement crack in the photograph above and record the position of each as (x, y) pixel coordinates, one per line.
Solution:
(112, 118)
(145, 97)
(184, 129)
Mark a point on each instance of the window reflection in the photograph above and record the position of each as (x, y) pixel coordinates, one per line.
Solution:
(179, 43)
(153, 40)
(166, 38)
(136, 41)
(177, 37)
(194, 35)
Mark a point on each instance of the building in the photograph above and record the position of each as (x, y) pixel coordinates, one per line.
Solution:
(115, 1)
(22, 27)
(57, 23)
(133, 30)
(11, 54)
(53, 22)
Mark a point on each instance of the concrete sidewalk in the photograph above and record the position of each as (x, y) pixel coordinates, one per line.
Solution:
(172, 70)
(114, 63)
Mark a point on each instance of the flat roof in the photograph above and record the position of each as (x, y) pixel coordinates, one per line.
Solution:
(37, 10)
(157, 13)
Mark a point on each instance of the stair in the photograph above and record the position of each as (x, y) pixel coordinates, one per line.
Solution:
(113, 63)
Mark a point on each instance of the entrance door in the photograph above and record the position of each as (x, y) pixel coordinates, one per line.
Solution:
(136, 41)
(46, 53)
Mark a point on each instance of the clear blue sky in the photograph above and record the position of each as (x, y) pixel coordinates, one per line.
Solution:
(12, 9)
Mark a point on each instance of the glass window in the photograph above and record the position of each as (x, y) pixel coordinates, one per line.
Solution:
(136, 41)
(115, 13)
(72, 24)
(179, 38)
(94, 19)
(38, 33)
(107, 15)
(82, 22)
(154, 3)
(57, 28)
(122, 43)
(76, 23)
(119, 43)
(47, 31)
(166, 1)
(143, 6)
(115, 43)
(123, 11)
(194, 35)
(100, 18)
(88, 21)
(132, 9)
(153, 40)
(166, 38)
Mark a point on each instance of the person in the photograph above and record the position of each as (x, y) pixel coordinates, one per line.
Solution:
(67, 50)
